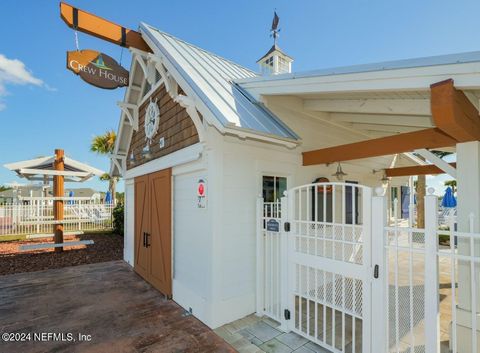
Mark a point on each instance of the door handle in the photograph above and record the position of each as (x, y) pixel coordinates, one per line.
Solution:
(144, 239)
(147, 244)
(375, 271)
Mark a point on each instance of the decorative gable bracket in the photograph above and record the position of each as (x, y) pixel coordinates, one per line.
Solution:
(131, 112)
(170, 84)
(146, 64)
(189, 104)
(120, 161)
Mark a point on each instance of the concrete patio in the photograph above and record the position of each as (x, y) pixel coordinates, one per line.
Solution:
(108, 303)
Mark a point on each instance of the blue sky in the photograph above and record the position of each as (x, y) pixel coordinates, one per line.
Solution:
(43, 106)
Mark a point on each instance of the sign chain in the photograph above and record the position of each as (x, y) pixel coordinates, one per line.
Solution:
(76, 40)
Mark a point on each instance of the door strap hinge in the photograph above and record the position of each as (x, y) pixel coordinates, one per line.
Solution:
(286, 226)
(286, 314)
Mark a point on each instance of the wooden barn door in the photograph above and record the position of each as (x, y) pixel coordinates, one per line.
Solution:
(153, 240)
(160, 230)
(142, 223)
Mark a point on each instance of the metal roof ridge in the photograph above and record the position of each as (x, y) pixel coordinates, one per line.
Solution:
(199, 48)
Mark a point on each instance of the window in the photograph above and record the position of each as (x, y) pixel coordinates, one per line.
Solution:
(273, 188)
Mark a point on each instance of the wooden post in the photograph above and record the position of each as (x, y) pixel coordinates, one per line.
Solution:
(58, 191)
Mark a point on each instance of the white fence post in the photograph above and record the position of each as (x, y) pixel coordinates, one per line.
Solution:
(432, 312)
(260, 259)
(37, 203)
(79, 203)
(290, 275)
(283, 258)
(379, 295)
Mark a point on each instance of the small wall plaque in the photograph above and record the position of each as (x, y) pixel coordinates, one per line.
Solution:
(273, 225)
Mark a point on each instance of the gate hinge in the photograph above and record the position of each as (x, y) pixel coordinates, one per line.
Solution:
(286, 314)
(286, 226)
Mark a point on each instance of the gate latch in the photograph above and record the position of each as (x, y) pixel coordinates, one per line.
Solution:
(375, 271)
(286, 226)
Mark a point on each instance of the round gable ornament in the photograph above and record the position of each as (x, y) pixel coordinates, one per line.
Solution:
(152, 120)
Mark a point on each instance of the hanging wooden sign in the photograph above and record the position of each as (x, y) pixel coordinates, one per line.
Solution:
(97, 69)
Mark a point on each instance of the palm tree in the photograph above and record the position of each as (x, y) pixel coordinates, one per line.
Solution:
(452, 184)
(104, 145)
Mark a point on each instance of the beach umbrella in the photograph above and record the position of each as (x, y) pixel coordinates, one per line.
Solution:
(108, 197)
(448, 199)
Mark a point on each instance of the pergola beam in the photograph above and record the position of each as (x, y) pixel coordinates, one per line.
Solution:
(440, 163)
(429, 169)
(102, 28)
(400, 143)
(454, 113)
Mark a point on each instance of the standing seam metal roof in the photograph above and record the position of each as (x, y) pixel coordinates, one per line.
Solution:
(211, 77)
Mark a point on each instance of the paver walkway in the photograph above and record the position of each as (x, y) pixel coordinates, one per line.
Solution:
(108, 301)
(253, 334)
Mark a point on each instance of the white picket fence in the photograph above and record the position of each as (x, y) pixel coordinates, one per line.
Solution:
(35, 216)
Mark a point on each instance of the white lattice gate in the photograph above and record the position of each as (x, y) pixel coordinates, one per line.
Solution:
(330, 264)
(315, 264)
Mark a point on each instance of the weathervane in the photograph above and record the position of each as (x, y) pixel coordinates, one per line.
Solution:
(275, 30)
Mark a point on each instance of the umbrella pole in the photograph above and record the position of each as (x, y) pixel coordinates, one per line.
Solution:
(58, 191)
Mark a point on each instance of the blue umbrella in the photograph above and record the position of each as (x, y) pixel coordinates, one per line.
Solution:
(108, 197)
(448, 199)
(70, 194)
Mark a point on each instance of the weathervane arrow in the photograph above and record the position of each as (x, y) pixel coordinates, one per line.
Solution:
(275, 29)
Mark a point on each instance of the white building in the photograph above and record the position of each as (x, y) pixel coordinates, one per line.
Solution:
(201, 138)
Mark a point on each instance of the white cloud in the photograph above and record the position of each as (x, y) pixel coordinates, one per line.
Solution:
(14, 71)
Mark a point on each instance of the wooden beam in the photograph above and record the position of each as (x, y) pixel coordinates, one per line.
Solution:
(453, 113)
(58, 191)
(102, 28)
(415, 170)
(428, 138)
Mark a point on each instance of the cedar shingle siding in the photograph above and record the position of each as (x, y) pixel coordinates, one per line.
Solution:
(176, 127)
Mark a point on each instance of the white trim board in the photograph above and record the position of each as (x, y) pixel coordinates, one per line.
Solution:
(185, 155)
